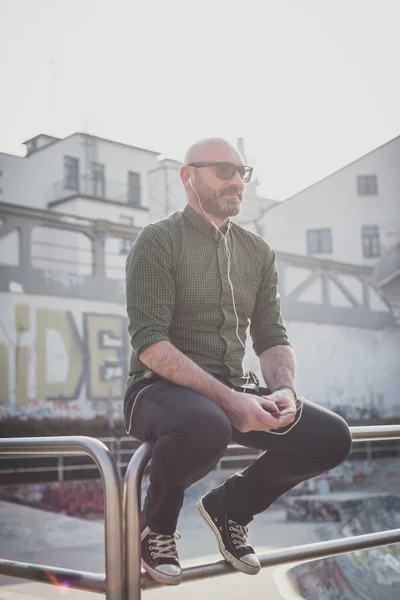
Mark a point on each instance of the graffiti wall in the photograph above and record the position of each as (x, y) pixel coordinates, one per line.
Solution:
(78, 499)
(61, 356)
(69, 357)
(368, 574)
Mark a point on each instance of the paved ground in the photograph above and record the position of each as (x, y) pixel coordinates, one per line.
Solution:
(36, 536)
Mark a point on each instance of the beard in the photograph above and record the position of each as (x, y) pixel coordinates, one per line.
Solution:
(224, 204)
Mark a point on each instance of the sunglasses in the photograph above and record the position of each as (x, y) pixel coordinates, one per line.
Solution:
(227, 170)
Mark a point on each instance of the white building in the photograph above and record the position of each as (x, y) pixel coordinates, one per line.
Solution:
(351, 216)
(80, 175)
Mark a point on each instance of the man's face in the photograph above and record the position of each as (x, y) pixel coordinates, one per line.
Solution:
(219, 197)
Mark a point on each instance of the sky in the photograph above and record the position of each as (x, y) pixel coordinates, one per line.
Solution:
(310, 85)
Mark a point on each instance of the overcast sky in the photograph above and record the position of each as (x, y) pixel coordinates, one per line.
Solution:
(310, 84)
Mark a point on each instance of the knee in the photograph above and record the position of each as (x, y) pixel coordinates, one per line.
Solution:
(328, 442)
(339, 440)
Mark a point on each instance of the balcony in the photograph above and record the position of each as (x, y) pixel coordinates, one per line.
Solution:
(96, 189)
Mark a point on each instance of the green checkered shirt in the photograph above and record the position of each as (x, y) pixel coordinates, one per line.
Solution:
(177, 290)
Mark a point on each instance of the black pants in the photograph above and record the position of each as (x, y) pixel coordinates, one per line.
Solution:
(191, 434)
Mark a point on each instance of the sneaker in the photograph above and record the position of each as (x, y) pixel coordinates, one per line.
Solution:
(231, 536)
(160, 557)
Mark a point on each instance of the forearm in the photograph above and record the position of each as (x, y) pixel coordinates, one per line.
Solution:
(278, 366)
(169, 362)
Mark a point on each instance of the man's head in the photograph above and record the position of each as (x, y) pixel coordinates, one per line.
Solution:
(219, 185)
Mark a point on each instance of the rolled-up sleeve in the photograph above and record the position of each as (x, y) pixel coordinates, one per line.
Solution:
(266, 327)
(150, 288)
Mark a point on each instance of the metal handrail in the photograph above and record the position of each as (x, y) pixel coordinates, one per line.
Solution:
(136, 581)
(113, 581)
(119, 454)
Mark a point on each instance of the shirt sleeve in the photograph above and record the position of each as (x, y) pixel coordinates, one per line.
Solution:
(150, 288)
(266, 327)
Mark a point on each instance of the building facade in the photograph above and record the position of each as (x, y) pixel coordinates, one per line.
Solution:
(351, 216)
(80, 175)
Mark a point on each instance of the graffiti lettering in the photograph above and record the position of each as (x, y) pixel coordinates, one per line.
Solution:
(67, 364)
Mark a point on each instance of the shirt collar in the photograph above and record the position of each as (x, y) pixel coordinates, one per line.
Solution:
(201, 222)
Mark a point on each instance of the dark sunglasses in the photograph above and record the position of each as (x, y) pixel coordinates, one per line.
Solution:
(227, 170)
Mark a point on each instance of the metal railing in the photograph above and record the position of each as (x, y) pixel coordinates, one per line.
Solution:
(123, 448)
(101, 188)
(123, 579)
(136, 581)
(112, 583)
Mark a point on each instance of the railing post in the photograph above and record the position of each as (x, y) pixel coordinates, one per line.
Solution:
(60, 473)
(131, 511)
(113, 523)
(118, 455)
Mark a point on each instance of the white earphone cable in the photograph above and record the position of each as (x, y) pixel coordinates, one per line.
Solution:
(228, 255)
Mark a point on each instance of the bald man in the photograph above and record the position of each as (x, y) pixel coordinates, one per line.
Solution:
(195, 281)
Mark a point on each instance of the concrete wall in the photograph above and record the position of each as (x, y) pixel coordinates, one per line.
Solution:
(346, 366)
(11, 169)
(334, 203)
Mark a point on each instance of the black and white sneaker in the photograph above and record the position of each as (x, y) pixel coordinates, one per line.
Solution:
(231, 536)
(160, 557)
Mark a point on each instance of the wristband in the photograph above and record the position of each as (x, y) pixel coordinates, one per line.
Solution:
(287, 387)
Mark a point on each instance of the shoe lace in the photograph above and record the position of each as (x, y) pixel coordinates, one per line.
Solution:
(239, 532)
(163, 546)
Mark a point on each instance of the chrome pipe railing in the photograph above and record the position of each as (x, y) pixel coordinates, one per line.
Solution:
(113, 582)
(123, 577)
(122, 456)
(131, 502)
(64, 578)
(131, 507)
(375, 433)
(273, 558)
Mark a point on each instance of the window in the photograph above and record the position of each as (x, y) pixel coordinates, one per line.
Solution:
(98, 180)
(134, 188)
(71, 173)
(126, 243)
(367, 185)
(319, 241)
(371, 241)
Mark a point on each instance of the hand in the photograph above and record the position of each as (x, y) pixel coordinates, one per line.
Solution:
(284, 400)
(248, 412)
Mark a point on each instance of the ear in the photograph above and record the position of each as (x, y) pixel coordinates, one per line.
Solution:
(185, 175)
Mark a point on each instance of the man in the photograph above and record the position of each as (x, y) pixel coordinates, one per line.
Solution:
(195, 280)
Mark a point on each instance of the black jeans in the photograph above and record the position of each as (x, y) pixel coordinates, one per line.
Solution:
(191, 434)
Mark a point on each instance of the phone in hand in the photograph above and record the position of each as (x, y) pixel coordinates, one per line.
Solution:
(277, 414)
(287, 411)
